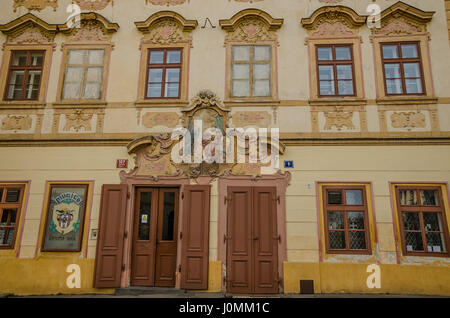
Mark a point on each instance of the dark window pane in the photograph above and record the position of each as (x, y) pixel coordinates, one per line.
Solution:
(343, 53)
(353, 197)
(144, 216)
(357, 240)
(432, 221)
(355, 220)
(156, 57)
(335, 220)
(411, 221)
(409, 51)
(324, 54)
(19, 59)
(435, 242)
(334, 197)
(337, 239)
(173, 57)
(168, 216)
(8, 217)
(429, 197)
(6, 236)
(12, 195)
(36, 59)
(1, 194)
(408, 197)
(413, 241)
(390, 51)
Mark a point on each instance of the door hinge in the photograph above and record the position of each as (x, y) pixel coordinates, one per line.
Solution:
(181, 235)
(226, 237)
(278, 238)
(226, 199)
(128, 195)
(123, 267)
(179, 268)
(125, 234)
(277, 199)
(182, 195)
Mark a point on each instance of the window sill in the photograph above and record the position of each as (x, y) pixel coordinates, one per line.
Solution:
(22, 104)
(161, 103)
(251, 102)
(79, 104)
(337, 101)
(406, 100)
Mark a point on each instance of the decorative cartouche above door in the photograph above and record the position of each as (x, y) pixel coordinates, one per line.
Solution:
(154, 154)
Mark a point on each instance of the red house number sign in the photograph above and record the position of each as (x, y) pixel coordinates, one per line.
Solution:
(122, 163)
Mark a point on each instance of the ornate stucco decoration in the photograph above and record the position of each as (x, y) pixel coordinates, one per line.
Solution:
(35, 4)
(29, 29)
(251, 25)
(403, 19)
(408, 120)
(17, 122)
(78, 121)
(166, 119)
(166, 2)
(93, 28)
(339, 119)
(166, 27)
(332, 21)
(92, 5)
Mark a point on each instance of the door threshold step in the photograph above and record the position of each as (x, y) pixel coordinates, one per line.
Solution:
(137, 290)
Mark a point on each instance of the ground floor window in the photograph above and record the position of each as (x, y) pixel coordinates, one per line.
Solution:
(11, 197)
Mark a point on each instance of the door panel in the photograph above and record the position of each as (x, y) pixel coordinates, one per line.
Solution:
(108, 261)
(266, 240)
(239, 247)
(144, 237)
(195, 241)
(252, 249)
(166, 243)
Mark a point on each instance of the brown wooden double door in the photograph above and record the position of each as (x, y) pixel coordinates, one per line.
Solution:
(154, 250)
(252, 240)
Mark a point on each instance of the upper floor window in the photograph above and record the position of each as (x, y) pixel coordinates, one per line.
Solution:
(164, 73)
(24, 77)
(10, 206)
(251, 71)
(335, 70)
(402, 67)
(423, 225)
(83, 77)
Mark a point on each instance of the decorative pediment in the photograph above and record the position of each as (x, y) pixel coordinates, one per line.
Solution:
(91, 27)
(401, 19)
(251, 25)
(29, 29)
(35, 4)
(333, 21)
(166, 27)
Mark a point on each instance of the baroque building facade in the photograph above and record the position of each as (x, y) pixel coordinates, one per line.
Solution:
(91, 92)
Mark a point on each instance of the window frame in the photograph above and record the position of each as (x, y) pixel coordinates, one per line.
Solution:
(26, 69)
(17, 205)
(106, 63)
(401, 61)
(334, 63)
(251, 62)
(420, 209)
(346, 208)
(164, 66)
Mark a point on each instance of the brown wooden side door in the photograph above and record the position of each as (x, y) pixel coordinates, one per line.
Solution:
(144, 237)
(252, 241)
(166, 241)
(109, 257)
